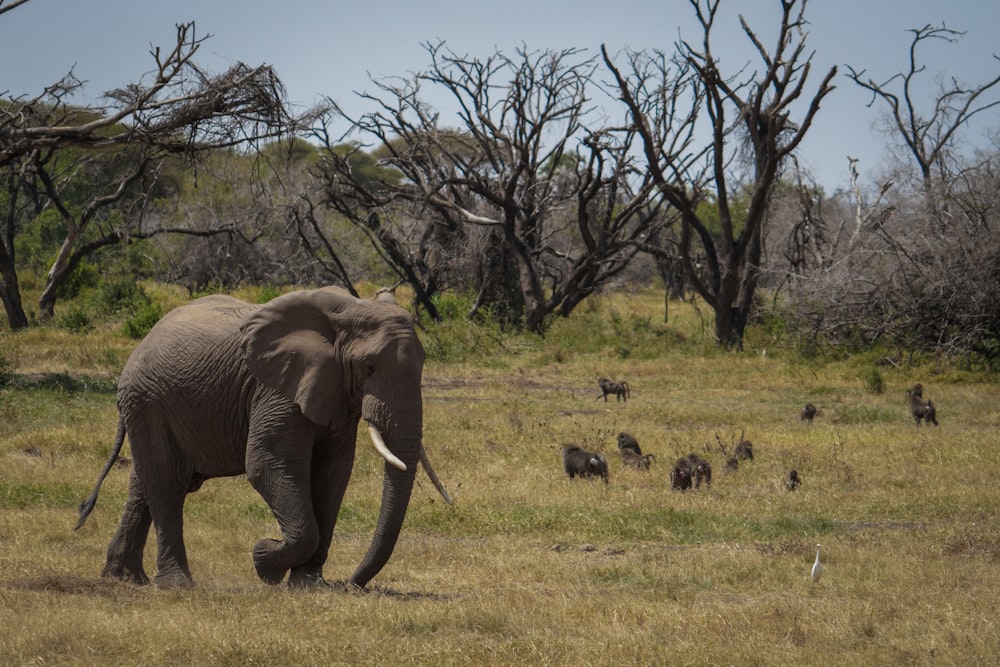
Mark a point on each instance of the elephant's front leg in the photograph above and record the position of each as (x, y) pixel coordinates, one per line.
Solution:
(332, 464)
(124, 560)
(278, 465)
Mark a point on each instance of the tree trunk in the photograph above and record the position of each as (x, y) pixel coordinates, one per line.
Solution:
(10, 294)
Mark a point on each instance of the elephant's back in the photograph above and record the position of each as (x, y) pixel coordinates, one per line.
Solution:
(195, 348)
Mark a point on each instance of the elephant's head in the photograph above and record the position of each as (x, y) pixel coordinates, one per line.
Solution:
(340, 358)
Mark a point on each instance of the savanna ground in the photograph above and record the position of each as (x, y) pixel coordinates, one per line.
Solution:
(529, 567)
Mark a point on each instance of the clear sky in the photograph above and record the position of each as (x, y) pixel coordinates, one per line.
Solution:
(329, 48)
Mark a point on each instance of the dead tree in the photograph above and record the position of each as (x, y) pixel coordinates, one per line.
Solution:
(928, 136)
(552, 204)
(47, 144)
(751, 135)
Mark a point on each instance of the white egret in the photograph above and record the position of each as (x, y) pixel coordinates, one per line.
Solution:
(817, 570)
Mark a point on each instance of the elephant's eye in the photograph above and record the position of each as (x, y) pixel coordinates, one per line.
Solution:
(369, 369)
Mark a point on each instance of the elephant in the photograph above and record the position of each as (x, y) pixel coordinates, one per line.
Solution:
(220, 387)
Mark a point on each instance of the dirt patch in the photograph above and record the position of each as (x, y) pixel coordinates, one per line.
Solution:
(73, 585)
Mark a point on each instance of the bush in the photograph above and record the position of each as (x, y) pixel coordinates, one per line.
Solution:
(139, 324)
(872, 380)
(75, 319)
(122, 296)
(6, 372)
(84, 276)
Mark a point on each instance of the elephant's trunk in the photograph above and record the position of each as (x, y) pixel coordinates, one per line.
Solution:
(396, 487)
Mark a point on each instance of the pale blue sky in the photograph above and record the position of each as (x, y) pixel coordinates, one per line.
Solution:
(329, 48)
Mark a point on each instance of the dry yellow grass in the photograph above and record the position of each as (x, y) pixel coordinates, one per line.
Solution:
(529, 567)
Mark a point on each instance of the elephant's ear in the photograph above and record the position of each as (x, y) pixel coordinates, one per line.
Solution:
(289, 345)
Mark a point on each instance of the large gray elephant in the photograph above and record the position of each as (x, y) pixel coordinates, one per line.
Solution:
(221, 387)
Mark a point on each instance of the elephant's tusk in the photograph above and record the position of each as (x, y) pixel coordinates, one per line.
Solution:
(389, 457)
(433, 475)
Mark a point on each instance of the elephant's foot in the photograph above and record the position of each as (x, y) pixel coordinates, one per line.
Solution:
(122, 573)
(264, 561)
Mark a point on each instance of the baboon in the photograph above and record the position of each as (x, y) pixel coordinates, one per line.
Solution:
(808, 412)
(919, 408)
(793, 480)
(619, 389)
(628, 441)
(633, 460)
(701, 470)
(732, 464)
(579, 461)
(680, 476)
(744, 450)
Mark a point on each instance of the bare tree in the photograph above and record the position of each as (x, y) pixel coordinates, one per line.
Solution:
(913, 266)
(46, 144)
(929, 136)
(552, 208)
(751, 133)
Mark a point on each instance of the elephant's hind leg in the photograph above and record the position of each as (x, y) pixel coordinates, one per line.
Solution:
(124, 559)
(166, 479)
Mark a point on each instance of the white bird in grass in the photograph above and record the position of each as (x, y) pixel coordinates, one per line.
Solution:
(817, 570)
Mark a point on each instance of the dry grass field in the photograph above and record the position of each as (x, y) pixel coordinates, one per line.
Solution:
(529, 567)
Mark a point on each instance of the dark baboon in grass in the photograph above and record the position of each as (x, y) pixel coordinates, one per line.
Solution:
(919, 408)
(620, 390)
(579, 461)
(638, 461)
(701, 470)
(793, 480)
(628, 441)
(680, 476)
(808, 412)
(744, 450)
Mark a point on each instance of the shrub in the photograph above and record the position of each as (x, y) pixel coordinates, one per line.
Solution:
(122, 296)
(75, 319)
(6, 371)
(872, 380)
(139, 324)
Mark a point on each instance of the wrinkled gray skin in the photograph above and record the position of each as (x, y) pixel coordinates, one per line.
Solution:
(579, 461)
(220, 387)
(920, 409)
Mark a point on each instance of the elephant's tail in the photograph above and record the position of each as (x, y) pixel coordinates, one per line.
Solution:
(87, 506)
